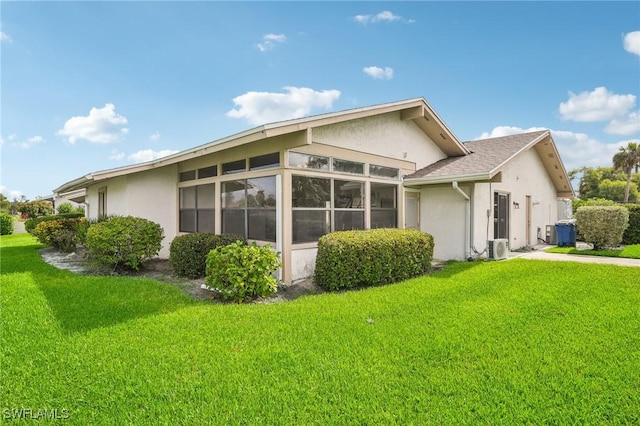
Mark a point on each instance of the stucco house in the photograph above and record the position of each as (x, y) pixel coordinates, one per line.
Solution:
(388, 165)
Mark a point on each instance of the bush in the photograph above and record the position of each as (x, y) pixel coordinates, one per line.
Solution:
(602, 226)
(124, 241)
(632, 233)
(577, 203)
(61, 233)
(188, 253)
(6, 223)
(241, 272)
(30, 224)
(37, 208)
(348, 259)
(65, 208)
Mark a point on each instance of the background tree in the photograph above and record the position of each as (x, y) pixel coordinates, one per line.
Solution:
(627, 159)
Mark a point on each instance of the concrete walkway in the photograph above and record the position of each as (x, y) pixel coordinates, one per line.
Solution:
(540, 254)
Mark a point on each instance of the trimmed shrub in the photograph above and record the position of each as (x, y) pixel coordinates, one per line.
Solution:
(30, 224)
(348, 259)
(602, 226)
(240, 272)
(6, 223)
(632, 233)
(188, 253)
(125, 242)
(37, 208)
(577, 203)
(60, 233)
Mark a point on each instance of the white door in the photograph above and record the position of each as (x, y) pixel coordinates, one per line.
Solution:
(412, 210)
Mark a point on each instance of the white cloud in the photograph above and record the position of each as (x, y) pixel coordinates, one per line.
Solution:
(576, 149)
(15, 195)
(28, 143)
(598, 105)
(5, 37)
(102, 125)
(269, 41)
(149, 155)
(626, 125)
(264, 107)
(632, 42)
(155, 136)
(384, 16)
(385, 73)
(117, 155)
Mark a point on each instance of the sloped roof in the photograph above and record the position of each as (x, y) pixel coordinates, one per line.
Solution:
(487, 158)
(417, 110)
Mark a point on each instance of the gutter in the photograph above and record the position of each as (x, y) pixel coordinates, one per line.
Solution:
(467, 214)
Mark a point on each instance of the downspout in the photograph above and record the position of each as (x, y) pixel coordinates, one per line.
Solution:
(467, 218)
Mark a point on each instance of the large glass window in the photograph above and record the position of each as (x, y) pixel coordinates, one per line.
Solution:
(234, 167)
(249, 208)
(382, 171)
(348, 204)
(384, 206)
(345, 166)
(264, 161)
(197, 208)
(186, 176)
(306, 161)
(206, 172)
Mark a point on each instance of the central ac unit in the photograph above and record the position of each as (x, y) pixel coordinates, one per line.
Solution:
(498, 249)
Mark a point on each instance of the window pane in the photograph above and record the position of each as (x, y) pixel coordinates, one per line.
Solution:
(233, 194)
(207, 172)
(206, 196)
(264, 161)
(309, 225)
(261, 192)
(206, 221)
(383, 196)
(185, 176)
(305, 161)
(262, 225)
(348, 166)
(381, 171)
(233, 221)
(188, 198)
(234, 167)
(346, 220)
(187, 220)
(310, 192)
(348, 194)
(384, 219)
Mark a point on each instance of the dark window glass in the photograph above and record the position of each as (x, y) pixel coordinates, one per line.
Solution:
(264, 161)
(345, 166)
(234, 167)
(206, 196)
(309, 225)
(262, 224)
(188, 220)
(208, 172)
(261, 192)
(197, 205)
(249, 208)
(348, 194)
(206, 221)
(347, 220)
(185, 176)
(384, 219)
(233, 221)
(306, 161)
(381, 171)
(310, 192)
(384, 206)
(233, 194)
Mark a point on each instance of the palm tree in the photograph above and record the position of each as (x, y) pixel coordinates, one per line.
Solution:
(626, 159)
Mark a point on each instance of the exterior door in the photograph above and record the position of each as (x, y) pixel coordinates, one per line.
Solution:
(500, 215)
(412, 210)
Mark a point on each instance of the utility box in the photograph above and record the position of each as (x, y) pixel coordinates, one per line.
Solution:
(551, 235)
(566, 233)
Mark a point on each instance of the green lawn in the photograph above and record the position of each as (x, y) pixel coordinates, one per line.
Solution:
(630, 251)
(510, 342)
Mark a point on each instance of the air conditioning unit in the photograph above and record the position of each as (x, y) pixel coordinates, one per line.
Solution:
(498, 249)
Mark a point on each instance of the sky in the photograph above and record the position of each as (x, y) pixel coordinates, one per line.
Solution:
(88, 86)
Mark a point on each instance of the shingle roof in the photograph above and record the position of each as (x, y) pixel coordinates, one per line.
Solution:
(486, 156)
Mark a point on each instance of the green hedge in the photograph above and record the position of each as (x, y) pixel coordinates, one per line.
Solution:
(348, 259)
(188, 253)
(602, 226)
(30, 224)
(124, 241)
(6, 223)
(632, 233)
(60, 233)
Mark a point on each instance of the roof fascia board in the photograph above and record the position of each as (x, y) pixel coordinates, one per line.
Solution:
(521, 150)
(478, 177)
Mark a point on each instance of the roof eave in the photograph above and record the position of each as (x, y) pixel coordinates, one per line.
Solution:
(477, 177)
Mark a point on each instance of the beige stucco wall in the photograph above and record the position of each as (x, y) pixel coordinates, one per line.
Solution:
(524, 175)
(303, 263)
(442, 214)
(386, 135)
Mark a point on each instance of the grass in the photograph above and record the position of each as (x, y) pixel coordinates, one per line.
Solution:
(630, 251)
(512, 342)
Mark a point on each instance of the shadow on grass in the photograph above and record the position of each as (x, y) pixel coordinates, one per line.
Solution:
(452, 267)
(82, 303)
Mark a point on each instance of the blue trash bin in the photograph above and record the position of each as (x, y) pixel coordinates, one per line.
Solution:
(566, 232)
